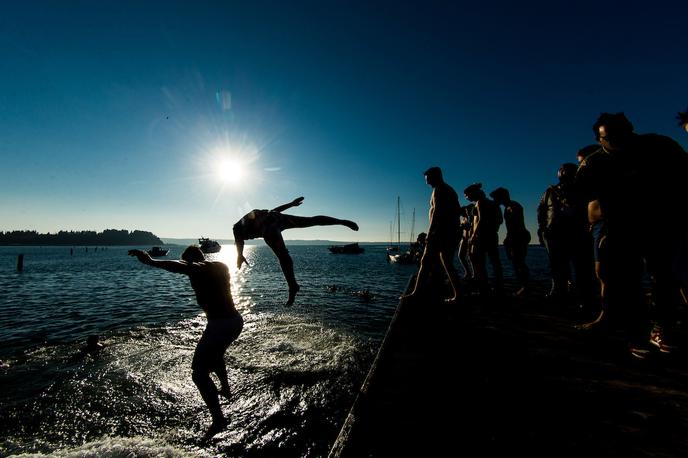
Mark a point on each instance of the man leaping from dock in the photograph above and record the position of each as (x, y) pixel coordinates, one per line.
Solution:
(210, 282)
(269, 225)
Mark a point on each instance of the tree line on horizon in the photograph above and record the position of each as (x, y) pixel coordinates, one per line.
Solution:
(106, 238)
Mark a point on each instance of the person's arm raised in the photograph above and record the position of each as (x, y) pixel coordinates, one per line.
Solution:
(239, 243)
(294, 203)
(178, 267)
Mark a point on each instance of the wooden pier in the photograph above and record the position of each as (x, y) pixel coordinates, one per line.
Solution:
(513, 377)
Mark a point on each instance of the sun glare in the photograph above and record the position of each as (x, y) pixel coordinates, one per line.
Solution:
(231, 171)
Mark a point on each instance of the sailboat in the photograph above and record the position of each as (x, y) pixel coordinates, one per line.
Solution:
(395, 248)
(408, 256)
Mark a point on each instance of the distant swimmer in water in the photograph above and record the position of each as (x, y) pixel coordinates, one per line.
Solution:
(210, 281)
(269, 225)
(93, 345)
(92, 348)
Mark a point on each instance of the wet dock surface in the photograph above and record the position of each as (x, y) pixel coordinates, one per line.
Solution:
(513, 377)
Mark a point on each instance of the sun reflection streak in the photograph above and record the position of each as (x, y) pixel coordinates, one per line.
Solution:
(227, 255)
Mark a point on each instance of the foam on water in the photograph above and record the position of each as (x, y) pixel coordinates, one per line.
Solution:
(118, 447)
(288, 374)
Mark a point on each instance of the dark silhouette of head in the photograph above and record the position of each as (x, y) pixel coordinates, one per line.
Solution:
(474, 192)
(586, 151)
(500, 195)
(567, 172)
(682, 117)
(92, 341)
(93, 344)
(433, 176)
(613, 131)
(193, 254)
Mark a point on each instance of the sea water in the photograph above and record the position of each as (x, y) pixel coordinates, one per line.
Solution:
(294, 371)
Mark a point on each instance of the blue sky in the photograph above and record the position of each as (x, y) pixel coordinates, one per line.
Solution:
(112, 113)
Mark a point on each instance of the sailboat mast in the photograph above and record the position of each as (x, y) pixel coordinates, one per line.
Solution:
(413, 226)
(398, 224)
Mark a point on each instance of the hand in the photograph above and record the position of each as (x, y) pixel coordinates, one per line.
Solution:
(296, 202)
(140, 254)
(240, 260)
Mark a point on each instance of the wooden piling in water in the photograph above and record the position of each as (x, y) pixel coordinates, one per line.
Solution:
(20, 263)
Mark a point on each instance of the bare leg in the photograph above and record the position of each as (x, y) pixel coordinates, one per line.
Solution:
(422, 274)
(221, 372)
(276, 243)
(209, 393)
(299, 222)
(447, 258)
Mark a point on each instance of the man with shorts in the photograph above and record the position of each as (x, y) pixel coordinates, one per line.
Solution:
(269, 225)
(443, 236)
(210, 281)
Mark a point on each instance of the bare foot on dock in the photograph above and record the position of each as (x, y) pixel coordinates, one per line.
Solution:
(452, 300)
(601, 323)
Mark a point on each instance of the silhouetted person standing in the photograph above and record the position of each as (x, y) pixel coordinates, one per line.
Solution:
(629, 173)
(484, 239)
(210, 281)
(442, 238)
(466, 228)
(564, 231)
(269, 225)
(517, 236)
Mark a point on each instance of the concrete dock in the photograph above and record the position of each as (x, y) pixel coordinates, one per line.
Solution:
(513, 377)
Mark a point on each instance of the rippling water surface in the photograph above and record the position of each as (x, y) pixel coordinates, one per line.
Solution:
(294, 371)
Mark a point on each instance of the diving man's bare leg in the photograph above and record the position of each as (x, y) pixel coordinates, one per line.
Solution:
(276, 243)
(299, 222)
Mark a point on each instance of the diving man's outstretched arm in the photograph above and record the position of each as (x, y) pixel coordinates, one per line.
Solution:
(294, 203)
(239, 243)
(178, 267)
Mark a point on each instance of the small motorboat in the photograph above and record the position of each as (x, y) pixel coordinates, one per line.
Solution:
(157, 252)
(209, 246)
(407, 257)
(351, 248)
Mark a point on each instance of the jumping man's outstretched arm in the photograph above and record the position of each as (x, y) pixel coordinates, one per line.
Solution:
(178, 267)
(294, 203)
(240, 252)
(239, 243)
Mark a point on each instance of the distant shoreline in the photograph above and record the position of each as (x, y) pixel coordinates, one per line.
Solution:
(109, 237)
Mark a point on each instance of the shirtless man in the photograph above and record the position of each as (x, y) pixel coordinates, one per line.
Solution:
(269, 225)
(517, 236)
(484, 239)
(210, 281)
(443, 236)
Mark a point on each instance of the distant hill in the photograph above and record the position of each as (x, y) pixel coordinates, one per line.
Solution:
(175, 241)
(85, 238)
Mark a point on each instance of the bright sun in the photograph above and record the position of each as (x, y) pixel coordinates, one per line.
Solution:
(231, 171)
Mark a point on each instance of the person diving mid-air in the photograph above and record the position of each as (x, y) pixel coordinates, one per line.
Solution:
(269, 225)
